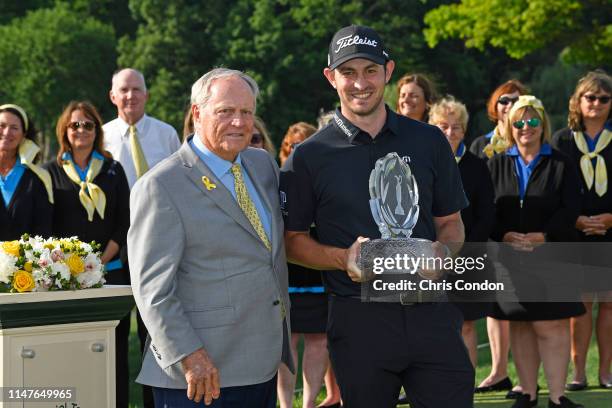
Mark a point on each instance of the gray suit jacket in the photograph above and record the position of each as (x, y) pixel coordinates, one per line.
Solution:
(202, 277)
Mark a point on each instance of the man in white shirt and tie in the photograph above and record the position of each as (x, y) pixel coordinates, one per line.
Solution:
(138, 142)
(156, 139)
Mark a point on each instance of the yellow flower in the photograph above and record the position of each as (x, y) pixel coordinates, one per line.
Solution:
(75, 264)
(23, 281)
(11, 248)
(28, 266)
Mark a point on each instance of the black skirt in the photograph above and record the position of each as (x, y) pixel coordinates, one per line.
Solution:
(534, 311)
(308, 312)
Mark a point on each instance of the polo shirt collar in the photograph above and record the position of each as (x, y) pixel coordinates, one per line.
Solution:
(545, 150)
(346, 127)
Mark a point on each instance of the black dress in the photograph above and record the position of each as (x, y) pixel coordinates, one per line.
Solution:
(29, 210)
(308, 300)
(478, 220)
(550, 205)
(70, 218)
(596, 251)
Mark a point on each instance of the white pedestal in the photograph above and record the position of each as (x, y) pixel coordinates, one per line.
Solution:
(62, 339)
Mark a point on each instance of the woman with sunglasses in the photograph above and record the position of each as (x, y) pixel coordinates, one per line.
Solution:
(92, 202)
(499, 104)
(27, 194)
(537, 197)
(587, 141)
(260, 138)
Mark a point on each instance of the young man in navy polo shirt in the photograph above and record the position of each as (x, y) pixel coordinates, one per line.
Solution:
(376, 348)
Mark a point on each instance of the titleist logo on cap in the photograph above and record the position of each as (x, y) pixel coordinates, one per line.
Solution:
(354, 40)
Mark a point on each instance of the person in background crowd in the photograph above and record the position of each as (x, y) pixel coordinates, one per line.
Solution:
(539, 331)
(188, 124)
(27, 194)
(324, 118)
(415, 95)
(261, 138)
(138, 142)
(92, 202)
(308, 308)
(587, 142)
(499, 104)
(451, 117)
(296, 134)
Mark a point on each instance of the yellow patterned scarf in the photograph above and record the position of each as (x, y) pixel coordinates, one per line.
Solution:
(497, 144)
(600, 174)
(92, 197)
(27, 152)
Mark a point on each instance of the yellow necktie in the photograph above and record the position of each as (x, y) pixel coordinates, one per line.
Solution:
(247, 206)
(140, 163)
(91, 196)
(600, 174)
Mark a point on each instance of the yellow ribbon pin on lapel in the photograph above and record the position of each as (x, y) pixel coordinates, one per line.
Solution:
(208, 184)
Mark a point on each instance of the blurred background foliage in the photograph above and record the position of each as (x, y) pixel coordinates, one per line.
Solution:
(53, 51)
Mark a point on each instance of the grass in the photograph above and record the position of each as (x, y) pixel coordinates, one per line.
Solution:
(594, 397)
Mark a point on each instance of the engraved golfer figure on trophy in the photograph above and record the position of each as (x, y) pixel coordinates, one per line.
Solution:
(398, 193)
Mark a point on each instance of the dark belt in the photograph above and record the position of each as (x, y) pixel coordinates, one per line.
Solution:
(411, 298)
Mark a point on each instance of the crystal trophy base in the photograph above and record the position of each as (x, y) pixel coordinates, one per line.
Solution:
(410, 254)
(396, 261)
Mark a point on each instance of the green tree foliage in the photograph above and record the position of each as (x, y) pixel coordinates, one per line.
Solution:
(282, 43)
(582, 29)
(173, 46)
(113, 12)
(52, 56)
(11, 9)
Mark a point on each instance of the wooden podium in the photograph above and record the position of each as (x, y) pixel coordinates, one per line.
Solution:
(60, 340)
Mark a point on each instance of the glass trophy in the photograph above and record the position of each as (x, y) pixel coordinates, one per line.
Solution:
(394, 205)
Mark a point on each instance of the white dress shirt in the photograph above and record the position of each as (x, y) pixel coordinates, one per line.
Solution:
(157, 139)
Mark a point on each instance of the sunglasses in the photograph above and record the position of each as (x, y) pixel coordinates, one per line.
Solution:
(256, 138)
(602, 99)
(532, 123)
(504, 100)
(82, 124)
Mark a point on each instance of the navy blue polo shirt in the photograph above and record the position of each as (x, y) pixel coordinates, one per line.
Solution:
(325, 181)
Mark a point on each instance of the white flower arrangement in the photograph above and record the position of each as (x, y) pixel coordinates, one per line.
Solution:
(34, 264)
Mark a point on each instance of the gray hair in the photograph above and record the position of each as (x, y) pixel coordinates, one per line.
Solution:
(132, 70)
(200, 91)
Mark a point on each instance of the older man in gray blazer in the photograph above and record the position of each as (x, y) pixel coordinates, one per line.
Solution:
(207, 259)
